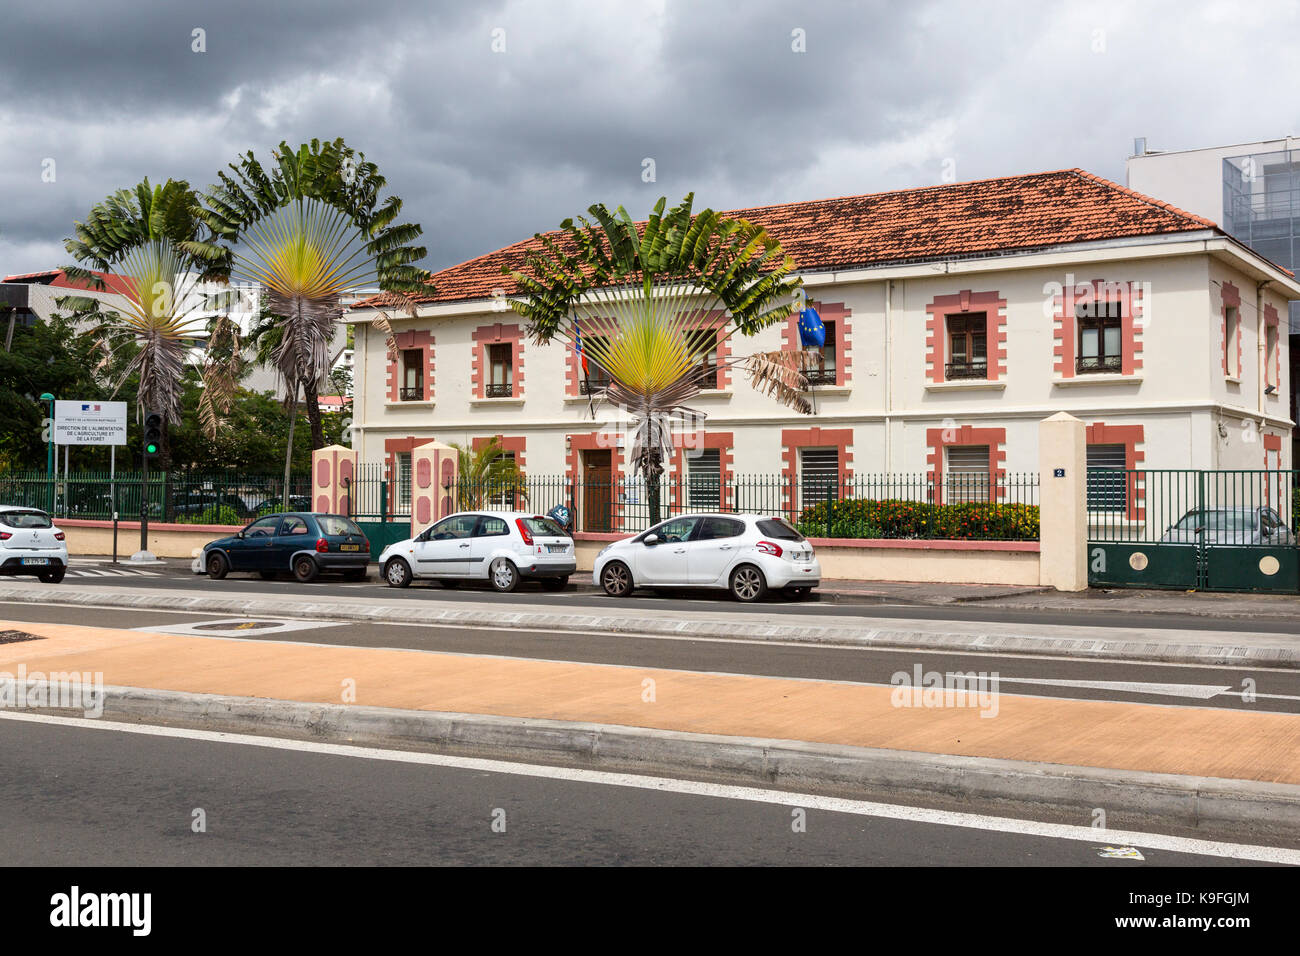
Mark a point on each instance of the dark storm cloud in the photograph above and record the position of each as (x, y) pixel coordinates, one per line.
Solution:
(488, 147)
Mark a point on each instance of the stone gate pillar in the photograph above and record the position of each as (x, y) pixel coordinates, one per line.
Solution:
(1062, 503)
(434, 475)
(333, 469)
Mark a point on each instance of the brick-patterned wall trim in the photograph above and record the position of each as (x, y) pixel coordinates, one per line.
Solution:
(1230, 296)
(1271, 320)
(725, 443)
(1130, 436)
(793, 439)
(1065, 337)
(411, 339)
(937, 439)
(517, 444)
(496, 334)
(936, 330)
(842, 316)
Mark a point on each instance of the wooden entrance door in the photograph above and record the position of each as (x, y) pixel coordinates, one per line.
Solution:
(597, 490)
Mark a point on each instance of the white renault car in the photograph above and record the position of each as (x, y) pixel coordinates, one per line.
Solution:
(500, 547)
(745, 554)
(30, 544)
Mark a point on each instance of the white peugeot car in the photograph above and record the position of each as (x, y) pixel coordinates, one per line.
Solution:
(745, 554)
(500, 547)
(30, 544)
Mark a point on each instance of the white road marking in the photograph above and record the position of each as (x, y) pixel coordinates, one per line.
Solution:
(970, 821)
(1199, 691)
(234, 627)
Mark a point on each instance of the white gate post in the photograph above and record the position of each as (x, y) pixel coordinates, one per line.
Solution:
(1062, 503)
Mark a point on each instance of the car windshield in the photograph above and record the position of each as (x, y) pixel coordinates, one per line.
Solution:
(333, 524)
(25, 519)
(543, 526)
(1223, 520)
(779, 528)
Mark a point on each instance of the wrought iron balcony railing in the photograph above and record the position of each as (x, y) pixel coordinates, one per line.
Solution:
(415, 394)
(957, 370)
(500, 390)
(1098, 363)
(820, 376)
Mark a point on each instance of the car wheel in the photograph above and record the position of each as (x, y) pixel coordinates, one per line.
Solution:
(397, 573)
(555, 584)
(267, 575)
(305, 569)
(616, 579)
(747, 583)
(504, 575)
(355, 575)
(52, 577)
(218, 566)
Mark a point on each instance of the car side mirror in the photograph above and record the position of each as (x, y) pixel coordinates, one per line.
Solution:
(239, 534)
(650, 539)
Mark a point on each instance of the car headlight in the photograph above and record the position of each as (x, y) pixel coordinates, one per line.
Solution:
(602, 551)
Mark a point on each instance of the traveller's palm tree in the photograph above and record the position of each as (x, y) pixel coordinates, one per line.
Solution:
(648, 300)
(143, 235)
(308, 229)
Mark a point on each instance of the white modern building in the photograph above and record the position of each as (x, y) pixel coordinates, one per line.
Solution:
(958, 317)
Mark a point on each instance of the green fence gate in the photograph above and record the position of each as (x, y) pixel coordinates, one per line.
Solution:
(1191, 529)
(380, 503)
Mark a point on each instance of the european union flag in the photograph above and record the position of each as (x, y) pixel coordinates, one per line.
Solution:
(812, 331)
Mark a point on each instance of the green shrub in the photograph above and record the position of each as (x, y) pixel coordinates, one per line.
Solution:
(861, 518)
(213, 514)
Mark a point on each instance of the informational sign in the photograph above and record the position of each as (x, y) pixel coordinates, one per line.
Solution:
(90, 423)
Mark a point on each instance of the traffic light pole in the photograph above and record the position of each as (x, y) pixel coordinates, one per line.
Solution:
(152, 445)
(144, 508)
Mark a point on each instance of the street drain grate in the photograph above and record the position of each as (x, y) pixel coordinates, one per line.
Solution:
(238, 626)
(14, 637)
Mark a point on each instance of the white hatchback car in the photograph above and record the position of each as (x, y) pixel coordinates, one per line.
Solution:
(500, 547)
(30, 544)
(745, 554)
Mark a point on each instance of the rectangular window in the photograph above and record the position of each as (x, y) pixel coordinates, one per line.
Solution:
(1107, 482)
(596, 378)
(828, 373)
(819, 473)
(503, 496)
(967, 475)
(412, 389)
(704, 480)
(501, 370)
(703, 344)
(403, 483)
(967, 346)
(1270, 355)
(1099, 338)
(1230, 320)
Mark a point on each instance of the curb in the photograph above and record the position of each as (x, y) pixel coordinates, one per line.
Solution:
(432, 613)
(1238, 806)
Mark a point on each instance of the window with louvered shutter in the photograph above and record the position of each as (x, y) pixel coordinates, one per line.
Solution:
(819, 471)
(1106, 479)
(704, 480)
(967, 476)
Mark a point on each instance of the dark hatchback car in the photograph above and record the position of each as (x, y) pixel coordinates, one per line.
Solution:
(303, 543)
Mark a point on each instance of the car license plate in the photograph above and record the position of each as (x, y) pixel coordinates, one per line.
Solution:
(801, 555)
(36, 561)
(349, 547)
(557, 548)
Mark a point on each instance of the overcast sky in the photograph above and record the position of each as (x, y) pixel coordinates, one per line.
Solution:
(487, 146)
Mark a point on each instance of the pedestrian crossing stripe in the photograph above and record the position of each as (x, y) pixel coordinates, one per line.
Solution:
(104, 572)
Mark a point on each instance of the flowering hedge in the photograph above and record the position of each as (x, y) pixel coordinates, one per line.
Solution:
(859, 518)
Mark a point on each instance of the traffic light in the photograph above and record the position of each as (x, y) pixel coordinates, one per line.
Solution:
(153, 434)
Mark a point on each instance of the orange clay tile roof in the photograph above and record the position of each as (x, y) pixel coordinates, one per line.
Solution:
(938, 222)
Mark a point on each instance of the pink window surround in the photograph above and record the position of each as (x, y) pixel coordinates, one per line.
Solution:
(936, 328)
(1230, 296)
(725, 443)
(842, 316)
(517, 444)
(793, 439)
(717, 321)
(1065, 334)
(598, 326)
(392, 447)
(1130, 436)
(496, 334)
(406, 341)
(940, 438)
(1271, 321)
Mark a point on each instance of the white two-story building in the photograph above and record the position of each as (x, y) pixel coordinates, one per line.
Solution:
(957, 318)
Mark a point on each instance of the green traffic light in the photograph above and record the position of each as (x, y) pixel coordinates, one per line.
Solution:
(151, 449)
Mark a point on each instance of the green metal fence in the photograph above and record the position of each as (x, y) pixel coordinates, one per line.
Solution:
(870, 505)
(178, 496)
(1223, 530)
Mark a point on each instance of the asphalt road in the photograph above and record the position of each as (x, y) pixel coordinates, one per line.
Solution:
(1081, 678)
(843, 606)
(105, 797)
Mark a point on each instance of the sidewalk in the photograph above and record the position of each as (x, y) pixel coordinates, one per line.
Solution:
(1034, 742)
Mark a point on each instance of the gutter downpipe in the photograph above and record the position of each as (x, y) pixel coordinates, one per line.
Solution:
(1261, 351)
(889, 377)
